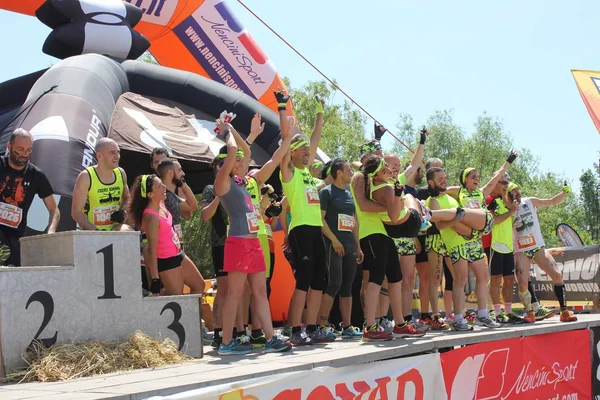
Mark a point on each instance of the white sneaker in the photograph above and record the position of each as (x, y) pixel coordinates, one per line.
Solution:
(487, 322)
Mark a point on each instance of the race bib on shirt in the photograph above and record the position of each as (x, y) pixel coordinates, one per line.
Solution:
(10, 215)
(526, 241)
(312, 196)
(102, 215)
(252, 219)
(269, 230)
(345, 223)
(178, 232)
(177, 243)
(473, 203)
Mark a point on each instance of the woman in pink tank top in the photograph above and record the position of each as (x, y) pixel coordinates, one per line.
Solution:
(147, 210)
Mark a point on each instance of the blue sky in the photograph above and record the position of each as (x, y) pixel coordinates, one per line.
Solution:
(510, 58)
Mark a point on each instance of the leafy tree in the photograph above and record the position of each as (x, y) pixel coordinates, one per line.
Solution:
(197, 242)
(590, 203)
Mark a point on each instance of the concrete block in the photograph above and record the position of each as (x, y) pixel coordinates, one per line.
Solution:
(93, 293)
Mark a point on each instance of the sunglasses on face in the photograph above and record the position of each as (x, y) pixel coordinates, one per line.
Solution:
(504, 182)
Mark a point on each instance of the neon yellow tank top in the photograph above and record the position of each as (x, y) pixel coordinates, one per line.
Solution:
(368, 223)
(474, 199)
(402, 179)
(252, 188)
(103, 200)
(502, 233)
(303, 197)
(449, 235)
(384, 215)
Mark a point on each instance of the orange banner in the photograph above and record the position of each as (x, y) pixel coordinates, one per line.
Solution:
(588, 83)
(199, 36)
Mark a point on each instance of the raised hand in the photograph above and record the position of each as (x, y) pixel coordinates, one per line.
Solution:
(319, 103)
(282, 99)
(379, 131)
(423, 135)
(256, 128)
(512, 156)
(221, 126)
(290, 128)
(566, 188)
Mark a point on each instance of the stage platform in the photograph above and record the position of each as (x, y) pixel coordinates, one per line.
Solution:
(214, 370)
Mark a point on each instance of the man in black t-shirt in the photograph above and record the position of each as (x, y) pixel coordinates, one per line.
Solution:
(20, 181)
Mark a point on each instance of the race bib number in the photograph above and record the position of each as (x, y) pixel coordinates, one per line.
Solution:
(102, 215)
(177, 243)
(10, 215)
(526, 241)
(178, 232)
(312, 196)
(473, 203)
(345, 223)
(269, 230)
(252, 219)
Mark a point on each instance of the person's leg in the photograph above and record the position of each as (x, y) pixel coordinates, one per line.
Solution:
(348, 274)
(448, 287)
(334, 266)
(172, 279)
(406, 250)
(423, 271)
(546, 262)
(236, 281)
(461, 273)
(497, 267)
(383, 303)
(435, 275)
(272, 271)
(258, 285)
(192, 276)
(304, 276)
(480, 271)
(319, 282)
(375, 263)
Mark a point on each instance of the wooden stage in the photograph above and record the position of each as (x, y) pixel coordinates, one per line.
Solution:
(214, 370)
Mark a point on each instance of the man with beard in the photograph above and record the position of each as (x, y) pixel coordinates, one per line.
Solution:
(21, 181)
(101, 191)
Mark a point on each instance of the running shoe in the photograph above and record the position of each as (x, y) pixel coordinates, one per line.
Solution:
(406, 330)
(375, 333)
(244, 340)
(461, 326)
(300, 338)
(207, 337)
(487, 322)
(351, 332)
(501, 318)
(217, 341)
(436, 323)
(471, 317)
(287, 331)
(543, 313)
(567, 316)
(529, 317)
(514, 319)
(275, 345)
(328, 333)
(387, 325)
(258, 342)
(233, 348)
(420, 326)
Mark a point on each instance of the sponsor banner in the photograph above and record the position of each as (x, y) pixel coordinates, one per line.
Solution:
(579, 268)
(568, 236)
(417, 378)
(596, 363)
(225, 49)
(588, 83)
(552, 366)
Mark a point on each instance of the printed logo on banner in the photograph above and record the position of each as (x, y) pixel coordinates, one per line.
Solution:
(225, 49)
(521, 368)
(157, 12)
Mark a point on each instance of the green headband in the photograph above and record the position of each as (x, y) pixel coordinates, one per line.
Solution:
(238, 154)
(328, 170)
(377, 169)
(512, 186)
(143, 185)
(317, 164)
(297, 145)
(466, 173)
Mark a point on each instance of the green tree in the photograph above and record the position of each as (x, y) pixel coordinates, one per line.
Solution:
(197, 242)
(343, 125)
(590, 203)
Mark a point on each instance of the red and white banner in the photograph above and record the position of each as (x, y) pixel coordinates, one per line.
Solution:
(544, 367)
(418, 378)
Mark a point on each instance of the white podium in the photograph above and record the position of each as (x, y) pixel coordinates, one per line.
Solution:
(86, 285)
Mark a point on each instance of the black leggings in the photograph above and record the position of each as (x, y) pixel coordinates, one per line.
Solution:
(341, 269)
(381, 258)
(309, 257)
(271, 269)
(449, 280)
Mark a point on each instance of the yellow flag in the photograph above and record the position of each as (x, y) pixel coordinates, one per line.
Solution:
(588, 83)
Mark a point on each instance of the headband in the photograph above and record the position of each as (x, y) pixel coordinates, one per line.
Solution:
(238, 154)
(143, 185)
(368, 148)
(381, 162)
(317, 164)
(328, 170)
(297, 145)
(512, 186)
(466, 173)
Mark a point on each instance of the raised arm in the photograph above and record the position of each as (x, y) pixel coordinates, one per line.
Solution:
(286, 137)
(315, 138)
(417, 158)
(487, 189)
(556, 200)
(222, 181)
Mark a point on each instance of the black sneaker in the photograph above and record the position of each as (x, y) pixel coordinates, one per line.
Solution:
(275, 345)
(258, 342)
(515, 319)
(217, 341)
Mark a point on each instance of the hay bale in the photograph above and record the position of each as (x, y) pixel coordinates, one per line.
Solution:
(67, 361)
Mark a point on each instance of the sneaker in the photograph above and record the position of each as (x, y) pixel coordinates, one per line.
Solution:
(501, 318)
(217, 341)
(514, 319)
(387, 325)
(487, 322)
(461, 326)
(351, 332)
(450, 318)
(320, 336)
(470, 317)
(244, 341)
(529, 317)
(375, 333)
(258, 342)
(492, 314)
(286, 331)
(4, 253)
(406, 330)
(207, 337)
(275, 345)
(437, 323)
(300, 338)
(146, 293)
(567, 316)
(420, 326)
(543, 313)
(233, 348)
(329, 331)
